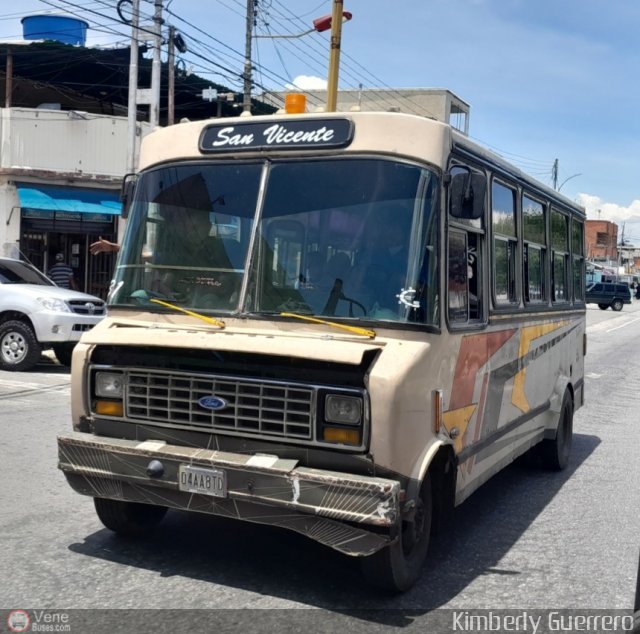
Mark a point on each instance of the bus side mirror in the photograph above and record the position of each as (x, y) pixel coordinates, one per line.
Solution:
(126, 192)
(466, 194)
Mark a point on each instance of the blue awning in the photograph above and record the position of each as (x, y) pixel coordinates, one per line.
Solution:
(70, 199)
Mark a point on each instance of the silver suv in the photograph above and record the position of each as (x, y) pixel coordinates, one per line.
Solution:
(35, 314)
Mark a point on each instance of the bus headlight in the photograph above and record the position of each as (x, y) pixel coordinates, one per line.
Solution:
(108, 388)
(344, 410)
(109, 384)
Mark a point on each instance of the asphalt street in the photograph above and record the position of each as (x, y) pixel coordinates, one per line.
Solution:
(528, 539)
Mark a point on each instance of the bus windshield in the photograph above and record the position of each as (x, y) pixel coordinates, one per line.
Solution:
(352, 238)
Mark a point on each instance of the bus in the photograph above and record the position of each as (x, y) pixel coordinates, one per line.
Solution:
(338, 324)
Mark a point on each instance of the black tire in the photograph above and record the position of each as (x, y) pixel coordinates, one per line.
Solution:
(129, 519)
(19, 348)
(398, 566)
(555, 452)
(636, 603)
(617, 305)
(603, 306)
(64, 351)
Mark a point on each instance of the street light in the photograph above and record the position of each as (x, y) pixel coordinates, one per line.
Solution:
(326, 22)
(320, 25)
(567, 179)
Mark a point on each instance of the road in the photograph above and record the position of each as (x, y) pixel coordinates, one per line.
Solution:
(527, 539)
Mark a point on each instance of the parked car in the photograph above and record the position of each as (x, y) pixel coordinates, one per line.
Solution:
(607, 294)
(35, 314)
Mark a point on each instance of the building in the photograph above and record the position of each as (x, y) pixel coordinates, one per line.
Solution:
(630, 258)
(439, 104)
(60, 176)
(64, 136)
(601, 241)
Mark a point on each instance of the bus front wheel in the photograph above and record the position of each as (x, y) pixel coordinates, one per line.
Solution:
(129, 519)
(397, 567)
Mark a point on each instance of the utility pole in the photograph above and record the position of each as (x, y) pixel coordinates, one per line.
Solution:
(246, 102)
(8, 88)
(171, 78)
(156, 65)
(554, 174)
(132, 106)
(334, 55)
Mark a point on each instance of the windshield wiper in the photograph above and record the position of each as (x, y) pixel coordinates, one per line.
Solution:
(365, 332)
(209, 320)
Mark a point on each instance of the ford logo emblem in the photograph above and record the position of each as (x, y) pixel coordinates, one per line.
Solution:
(212, 402)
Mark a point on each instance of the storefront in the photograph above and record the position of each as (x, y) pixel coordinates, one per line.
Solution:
(57, 219)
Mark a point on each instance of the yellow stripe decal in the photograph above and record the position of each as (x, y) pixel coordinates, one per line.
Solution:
(458, 418)
(527, 335)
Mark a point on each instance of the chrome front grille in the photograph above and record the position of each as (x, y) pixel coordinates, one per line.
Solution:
(82, 327)
(258, 408)
(92, 308)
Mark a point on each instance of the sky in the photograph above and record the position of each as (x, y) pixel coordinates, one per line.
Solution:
(545, 79)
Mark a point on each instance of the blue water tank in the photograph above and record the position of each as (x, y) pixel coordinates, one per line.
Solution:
(55, 27)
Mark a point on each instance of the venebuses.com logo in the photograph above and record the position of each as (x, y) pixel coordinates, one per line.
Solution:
(18, 621)
(38, 621)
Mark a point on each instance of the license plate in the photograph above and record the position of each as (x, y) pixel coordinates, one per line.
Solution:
(205, 481)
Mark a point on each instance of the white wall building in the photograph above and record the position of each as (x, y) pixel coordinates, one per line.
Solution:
(437, 103)
(60, 176)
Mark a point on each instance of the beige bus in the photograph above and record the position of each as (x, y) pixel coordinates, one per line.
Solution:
(339, 324)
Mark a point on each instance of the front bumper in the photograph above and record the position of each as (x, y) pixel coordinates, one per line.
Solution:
(56, 327)
(353, 514)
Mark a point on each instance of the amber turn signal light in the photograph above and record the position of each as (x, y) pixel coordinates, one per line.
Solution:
(109, 408)
(343, 436)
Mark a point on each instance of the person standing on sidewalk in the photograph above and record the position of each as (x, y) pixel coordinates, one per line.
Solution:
(62, 274)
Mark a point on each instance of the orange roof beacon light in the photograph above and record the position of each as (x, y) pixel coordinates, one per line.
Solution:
(295, 103)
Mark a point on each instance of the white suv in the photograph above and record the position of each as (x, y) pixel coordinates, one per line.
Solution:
(36, 314)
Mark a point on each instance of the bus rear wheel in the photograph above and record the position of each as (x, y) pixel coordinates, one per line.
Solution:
(555, 452)
(398, 566)
(129, 519)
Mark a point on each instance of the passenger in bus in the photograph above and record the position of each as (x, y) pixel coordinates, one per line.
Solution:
(388, 269)
(193, 266)
(335, 280)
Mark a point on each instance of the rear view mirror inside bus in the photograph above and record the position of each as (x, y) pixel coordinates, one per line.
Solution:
(466, 194)
(126, 192)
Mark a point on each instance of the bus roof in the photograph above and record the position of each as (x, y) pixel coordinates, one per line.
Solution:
(391, 133)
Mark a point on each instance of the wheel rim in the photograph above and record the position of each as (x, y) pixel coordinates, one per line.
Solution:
(413, 533)
(14, 348)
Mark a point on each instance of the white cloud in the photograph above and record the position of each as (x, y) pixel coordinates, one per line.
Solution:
(627, 218)
(597, 209)
(307, 82)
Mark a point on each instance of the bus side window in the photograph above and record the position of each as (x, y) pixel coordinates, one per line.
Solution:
(465, 274)
(458, 277)
(473, 273)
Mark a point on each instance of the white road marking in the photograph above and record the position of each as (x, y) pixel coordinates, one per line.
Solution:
(627, 323)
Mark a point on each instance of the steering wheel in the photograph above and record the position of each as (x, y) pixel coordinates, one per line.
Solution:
(336, 295)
